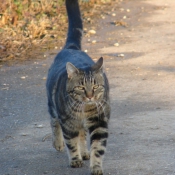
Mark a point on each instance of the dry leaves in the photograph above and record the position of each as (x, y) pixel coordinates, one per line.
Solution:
(120, 23)
(28, 27)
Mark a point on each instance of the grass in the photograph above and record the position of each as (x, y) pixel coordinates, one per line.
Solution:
(31, 26)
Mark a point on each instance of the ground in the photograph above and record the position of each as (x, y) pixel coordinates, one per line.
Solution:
(141, 75)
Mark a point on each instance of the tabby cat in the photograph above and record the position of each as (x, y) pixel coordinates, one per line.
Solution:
(78, 98)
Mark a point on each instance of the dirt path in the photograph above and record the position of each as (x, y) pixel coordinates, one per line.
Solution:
(141, 74)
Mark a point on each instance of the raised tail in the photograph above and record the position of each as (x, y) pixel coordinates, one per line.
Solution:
(75, 28)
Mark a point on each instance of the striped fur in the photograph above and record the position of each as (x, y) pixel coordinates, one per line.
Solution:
(78, 99)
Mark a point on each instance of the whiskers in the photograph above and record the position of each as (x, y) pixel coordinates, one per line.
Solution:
(75, 108)
(106, 102)
(81, 109)
(101, 105)
(98, 112)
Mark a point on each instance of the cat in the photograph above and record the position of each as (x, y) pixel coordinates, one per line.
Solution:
(78, 99)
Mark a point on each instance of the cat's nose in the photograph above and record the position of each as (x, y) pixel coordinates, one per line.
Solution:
(89, 95)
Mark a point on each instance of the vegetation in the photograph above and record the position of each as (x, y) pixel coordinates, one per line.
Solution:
(27, 26)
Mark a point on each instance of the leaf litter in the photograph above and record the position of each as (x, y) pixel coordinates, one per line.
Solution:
(29, 28)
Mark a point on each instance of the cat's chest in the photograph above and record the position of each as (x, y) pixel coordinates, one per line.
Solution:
(83, 111)
(74, 122)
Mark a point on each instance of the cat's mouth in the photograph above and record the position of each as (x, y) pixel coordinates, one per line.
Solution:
(90, 103)
(90, 100)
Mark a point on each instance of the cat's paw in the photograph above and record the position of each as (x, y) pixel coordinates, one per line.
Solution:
(96, 170)
(76, 163)
(85, 156)
(58, 146)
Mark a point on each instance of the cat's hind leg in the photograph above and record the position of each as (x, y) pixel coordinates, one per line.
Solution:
(57, 135)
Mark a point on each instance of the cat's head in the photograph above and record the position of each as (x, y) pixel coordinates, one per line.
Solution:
(86, 85)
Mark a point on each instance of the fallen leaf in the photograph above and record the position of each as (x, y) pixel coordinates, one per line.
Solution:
(23, 77)
(94, 41)
(92, 31)
(121, 55)
(116, 44)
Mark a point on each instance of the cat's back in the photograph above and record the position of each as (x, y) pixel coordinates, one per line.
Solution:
(58, 69)
(76, 57)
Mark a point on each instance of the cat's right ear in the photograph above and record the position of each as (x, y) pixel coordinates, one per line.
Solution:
(71, 70)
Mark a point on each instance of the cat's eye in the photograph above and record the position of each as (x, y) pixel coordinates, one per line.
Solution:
(95, 86)
(80, 87)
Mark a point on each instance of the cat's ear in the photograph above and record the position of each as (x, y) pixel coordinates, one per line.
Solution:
(71, 70)
(98, 66)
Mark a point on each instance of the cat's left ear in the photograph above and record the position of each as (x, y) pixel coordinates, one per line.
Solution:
(98, 66)
(71, 70)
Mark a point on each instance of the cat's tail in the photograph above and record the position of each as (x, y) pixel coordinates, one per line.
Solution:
(75, 28)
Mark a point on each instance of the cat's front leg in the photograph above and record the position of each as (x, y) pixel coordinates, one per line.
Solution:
(57, 136)
(98, 130)
(83, 144)
(72, 142)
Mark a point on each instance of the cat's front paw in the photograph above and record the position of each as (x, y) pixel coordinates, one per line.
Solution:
(58, 146)
(96, 170)
(76, 163)
(85, 156)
